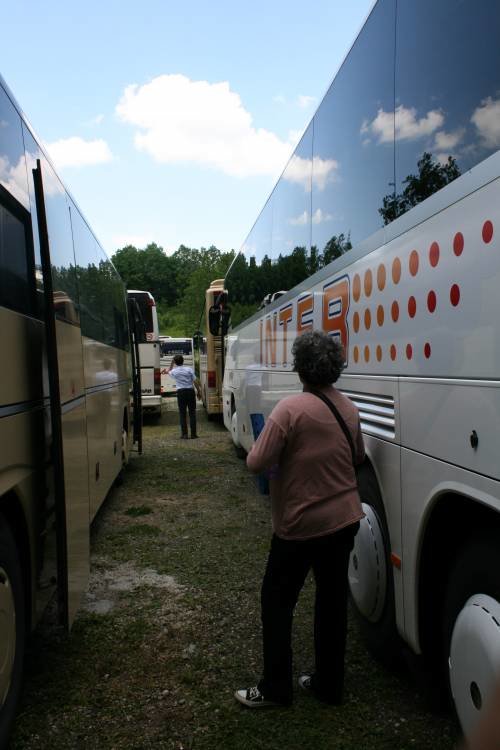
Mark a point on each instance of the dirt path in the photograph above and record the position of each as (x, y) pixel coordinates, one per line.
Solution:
(170, 627)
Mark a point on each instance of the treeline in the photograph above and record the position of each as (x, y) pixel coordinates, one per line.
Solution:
(178, 282)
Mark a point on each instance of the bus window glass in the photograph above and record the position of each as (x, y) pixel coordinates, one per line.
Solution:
(92, 281)
(291, 228)
(33, 153)
(171, 348)
(16, 287)
(144, 302)
(353, 149)
(447, 93)
(61, 246)
(12, 163)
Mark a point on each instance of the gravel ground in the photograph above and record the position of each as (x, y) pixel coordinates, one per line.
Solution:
(170, 627)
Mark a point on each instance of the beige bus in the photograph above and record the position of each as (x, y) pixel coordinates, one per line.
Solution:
(209, 343)
(65, 394)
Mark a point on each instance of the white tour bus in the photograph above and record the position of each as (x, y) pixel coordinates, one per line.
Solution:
(66, 421)
(149, 351)
(392, 197)
(169, 347)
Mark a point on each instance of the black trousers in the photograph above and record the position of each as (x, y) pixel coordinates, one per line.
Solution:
(187, 400)
(287, 567)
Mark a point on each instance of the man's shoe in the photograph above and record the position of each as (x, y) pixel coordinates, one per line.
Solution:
(184, 437)
(253, 698)
(307, 685)
(193, 437)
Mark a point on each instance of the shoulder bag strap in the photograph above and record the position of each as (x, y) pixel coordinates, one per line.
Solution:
(340, 419)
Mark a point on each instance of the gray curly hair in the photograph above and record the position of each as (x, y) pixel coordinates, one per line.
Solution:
(319, 359)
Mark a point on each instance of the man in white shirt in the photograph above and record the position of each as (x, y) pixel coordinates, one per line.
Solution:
(186, 382)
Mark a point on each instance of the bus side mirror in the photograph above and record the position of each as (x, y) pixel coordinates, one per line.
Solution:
(225, 319)
(214, 321)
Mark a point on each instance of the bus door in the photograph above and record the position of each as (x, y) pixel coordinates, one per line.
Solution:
(137, 330)
(67, 429)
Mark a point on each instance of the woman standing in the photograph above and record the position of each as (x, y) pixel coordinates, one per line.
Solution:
(310, 450)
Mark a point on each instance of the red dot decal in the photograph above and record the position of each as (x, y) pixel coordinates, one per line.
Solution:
(413, 263)
(396, 270)
(380, 315)
(367, 353)
(355, 322)
(431, 301)
(455, 295)
(368, 283)
(379, 353)
(356, 354)
(368, 319)
(487, 231)
(458, 244)
(356, 287)
(393, 352)
(434, 254)
(412, 307)
(395, 311)
(381, 277)
(427, 350)
(409, 351)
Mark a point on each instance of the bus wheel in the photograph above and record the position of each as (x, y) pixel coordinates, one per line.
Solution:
(370, 571)
(472, 628)
(240, 451)
(12, 630)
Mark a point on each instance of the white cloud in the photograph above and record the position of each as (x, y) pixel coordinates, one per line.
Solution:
(97, 120)
(319, 217)
(299, 221)
(406, 124)
(448, 141)
(323, 171)
(180, 120)
(13, 178)
(305, 101)
(279, 99)
(76, 152)
(486, 118)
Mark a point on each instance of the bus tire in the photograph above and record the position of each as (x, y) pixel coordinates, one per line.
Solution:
(472, 627)
(370, 572)
(12, 641)
(238, 448)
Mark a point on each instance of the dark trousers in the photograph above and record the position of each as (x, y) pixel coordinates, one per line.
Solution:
(287, 567)
(187, 400)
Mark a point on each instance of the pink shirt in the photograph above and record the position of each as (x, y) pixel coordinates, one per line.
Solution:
(313, 487)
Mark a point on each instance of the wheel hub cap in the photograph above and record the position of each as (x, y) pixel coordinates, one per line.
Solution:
(367, 567)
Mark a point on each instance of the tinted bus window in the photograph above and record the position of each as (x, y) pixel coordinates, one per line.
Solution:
(12, 163)
(447, 92)
(16, 277)
(353, 148)
(144, 302)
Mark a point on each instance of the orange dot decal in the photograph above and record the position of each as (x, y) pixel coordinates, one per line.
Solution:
(355, 353)
(393, 352)
(356, 288)
(355, 322)
(368, 284)
(487, 231)
(409, 351)
(379, 353)
(434, 254)
(368, 319)
(395, 311)
(381, 277)
(455, 295)
(427, 350)
(367, 353)
(431, 301)
(412, 307)
(396, 270)
(380, 315)
(458, 244)
(413, 263)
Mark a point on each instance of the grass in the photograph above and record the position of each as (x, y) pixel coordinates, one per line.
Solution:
(179, 551)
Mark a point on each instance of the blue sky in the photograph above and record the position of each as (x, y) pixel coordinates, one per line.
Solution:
(171, 122)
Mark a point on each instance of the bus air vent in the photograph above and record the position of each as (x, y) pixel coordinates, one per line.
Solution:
(376, 413)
